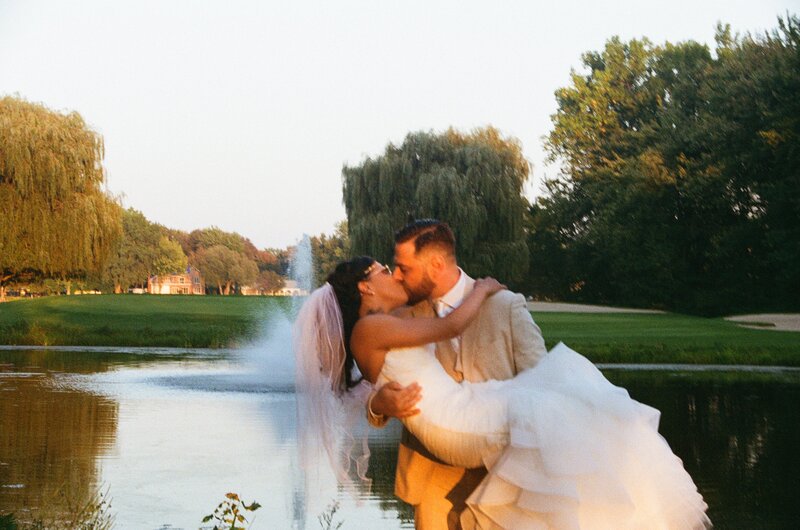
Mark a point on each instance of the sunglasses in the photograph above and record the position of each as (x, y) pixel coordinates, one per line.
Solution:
(377, 267)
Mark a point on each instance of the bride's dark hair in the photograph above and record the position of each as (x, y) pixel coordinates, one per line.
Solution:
(344, 280)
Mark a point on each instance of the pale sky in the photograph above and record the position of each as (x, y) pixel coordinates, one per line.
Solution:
(241, 114)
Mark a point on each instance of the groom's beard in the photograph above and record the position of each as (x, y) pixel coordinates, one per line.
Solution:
(420, 292)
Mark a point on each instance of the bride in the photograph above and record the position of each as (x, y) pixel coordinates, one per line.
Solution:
(564, 448)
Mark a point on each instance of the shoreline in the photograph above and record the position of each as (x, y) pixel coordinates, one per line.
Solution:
(222, 325)
(216, 353)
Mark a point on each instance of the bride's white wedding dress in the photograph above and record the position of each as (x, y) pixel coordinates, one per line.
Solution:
(565, 448)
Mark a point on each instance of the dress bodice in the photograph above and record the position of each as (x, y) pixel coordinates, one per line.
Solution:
(415, 364)
(461, 423)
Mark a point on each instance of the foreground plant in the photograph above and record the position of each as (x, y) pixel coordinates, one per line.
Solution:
(229, 514)
(326, 518)
(92, 512)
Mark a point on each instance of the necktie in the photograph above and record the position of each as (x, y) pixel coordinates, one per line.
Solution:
(443, 309)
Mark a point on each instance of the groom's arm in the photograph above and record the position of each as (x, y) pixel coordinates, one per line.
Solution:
(527, 340)
(393, 400)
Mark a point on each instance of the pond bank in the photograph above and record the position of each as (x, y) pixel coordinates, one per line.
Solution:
(603, 334)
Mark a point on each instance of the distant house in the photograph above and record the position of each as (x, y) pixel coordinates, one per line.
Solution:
(290, 288)
(248, 290)
(190, 282)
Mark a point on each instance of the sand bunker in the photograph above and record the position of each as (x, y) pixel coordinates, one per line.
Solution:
(773, 321)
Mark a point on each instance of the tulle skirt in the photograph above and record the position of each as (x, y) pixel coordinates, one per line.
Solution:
(565, 449)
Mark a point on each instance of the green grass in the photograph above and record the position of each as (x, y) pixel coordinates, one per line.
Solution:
(135, 320)
(668, 338)
(216, 321)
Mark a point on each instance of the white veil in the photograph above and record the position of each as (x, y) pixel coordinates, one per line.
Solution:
(331, 421)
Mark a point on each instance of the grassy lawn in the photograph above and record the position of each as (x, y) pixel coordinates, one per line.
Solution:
(214, 321)
(668, 338)
(135, 320)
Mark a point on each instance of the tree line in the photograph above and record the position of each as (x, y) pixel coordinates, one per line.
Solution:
(227, 261)
(60, 229)
(678, 189)
(679, 185)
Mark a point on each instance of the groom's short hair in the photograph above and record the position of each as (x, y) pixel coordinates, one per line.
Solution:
(428, 233)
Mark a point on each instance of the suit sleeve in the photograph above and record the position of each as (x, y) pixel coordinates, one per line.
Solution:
(526, 336)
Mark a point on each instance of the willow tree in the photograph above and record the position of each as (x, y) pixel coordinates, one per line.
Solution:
(55, 217)
(472, 181)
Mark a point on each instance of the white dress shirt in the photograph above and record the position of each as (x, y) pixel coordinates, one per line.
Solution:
(451, 300)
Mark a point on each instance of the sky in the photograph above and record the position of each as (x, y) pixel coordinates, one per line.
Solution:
(241, 114)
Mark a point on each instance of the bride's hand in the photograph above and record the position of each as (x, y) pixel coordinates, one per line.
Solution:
(490, 285)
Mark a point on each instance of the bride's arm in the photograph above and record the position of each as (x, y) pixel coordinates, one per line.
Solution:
(385, 332)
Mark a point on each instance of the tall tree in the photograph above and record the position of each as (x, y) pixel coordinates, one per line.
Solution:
(328, 250)
(144, 249)
(209, 237)
(182, 237)
(753, 125)
(269, 281)
(223, 268)
(277, 260)
(625, 203)
(603, 116)
(679, 181)
(472, 181)
(169, 257)
(56, 218)
(131, 262)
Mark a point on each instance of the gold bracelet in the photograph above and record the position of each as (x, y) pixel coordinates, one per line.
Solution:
(377, 420)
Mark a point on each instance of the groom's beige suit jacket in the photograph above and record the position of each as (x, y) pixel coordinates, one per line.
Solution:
(501, 341)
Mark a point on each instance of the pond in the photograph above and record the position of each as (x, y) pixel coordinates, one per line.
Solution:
(166, 433)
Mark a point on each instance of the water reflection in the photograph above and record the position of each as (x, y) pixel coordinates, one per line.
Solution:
(383, 463)
(51, 441)
(177, 455)
(171, 433)
(737, 434)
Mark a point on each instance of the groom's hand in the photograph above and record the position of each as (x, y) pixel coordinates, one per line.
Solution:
(397, 401)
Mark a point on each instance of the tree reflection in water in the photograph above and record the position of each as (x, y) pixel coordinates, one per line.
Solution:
(49, 445)
(738, 435)
(736, 432)
(382, 466)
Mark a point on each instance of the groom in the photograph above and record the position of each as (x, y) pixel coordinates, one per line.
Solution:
(501, 341)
